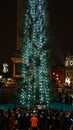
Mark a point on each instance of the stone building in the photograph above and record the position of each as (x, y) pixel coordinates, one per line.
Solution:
(69, 70)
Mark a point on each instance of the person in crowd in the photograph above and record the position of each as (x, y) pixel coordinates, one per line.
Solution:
(34, 122)
(71, 127)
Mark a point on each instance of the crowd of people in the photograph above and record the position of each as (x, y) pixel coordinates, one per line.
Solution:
(20, 118)
(65, 98)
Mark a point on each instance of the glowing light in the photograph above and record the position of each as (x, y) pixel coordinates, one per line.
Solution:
(5, 67)
(67, 80)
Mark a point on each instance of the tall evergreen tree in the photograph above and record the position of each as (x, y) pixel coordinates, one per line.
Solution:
(35, 51)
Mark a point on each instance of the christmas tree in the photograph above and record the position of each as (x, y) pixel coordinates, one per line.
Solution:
(35, 52)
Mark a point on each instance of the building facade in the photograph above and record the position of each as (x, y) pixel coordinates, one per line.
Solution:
(58, 75)
(69, 70)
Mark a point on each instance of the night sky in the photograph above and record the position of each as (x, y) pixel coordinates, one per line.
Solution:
(61, 19)
(7, 30)
(61, 13)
